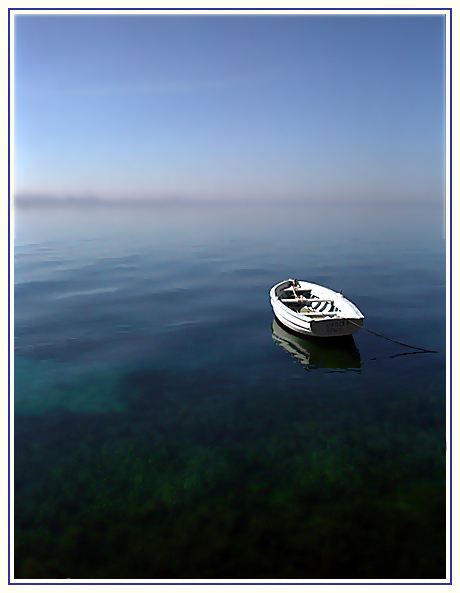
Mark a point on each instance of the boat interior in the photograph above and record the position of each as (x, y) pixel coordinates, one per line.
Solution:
(304, 302)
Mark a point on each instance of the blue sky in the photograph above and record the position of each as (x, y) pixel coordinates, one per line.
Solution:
(237, 107)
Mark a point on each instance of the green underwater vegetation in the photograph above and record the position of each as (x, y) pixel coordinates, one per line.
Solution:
(254, 486)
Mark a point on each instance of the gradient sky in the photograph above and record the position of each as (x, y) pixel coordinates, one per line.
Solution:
(230, 107)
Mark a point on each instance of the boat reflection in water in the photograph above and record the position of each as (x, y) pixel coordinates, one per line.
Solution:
(322, 353)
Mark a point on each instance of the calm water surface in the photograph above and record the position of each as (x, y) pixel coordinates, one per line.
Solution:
(167, 427)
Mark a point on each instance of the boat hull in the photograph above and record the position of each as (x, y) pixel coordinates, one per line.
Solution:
(347, 321)
(321, 329)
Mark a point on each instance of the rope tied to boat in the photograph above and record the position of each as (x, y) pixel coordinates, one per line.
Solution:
(295, 283)
(394, 341)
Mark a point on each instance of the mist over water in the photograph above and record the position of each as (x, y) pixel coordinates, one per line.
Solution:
(167, 427)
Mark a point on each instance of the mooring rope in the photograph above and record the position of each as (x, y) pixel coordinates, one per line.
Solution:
(395, 341)
(295, 283)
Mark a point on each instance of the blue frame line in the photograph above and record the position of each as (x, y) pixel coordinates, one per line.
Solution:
(233, 584)
(239, 9)
(451, 206)
(233, 9)
(9, 309)
(215, 583)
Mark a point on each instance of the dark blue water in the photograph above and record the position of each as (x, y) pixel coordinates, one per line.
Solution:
(167, 427)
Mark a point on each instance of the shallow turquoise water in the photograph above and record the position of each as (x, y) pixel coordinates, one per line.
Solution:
(166, 427)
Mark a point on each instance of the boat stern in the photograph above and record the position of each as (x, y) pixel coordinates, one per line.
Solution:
(335, 327)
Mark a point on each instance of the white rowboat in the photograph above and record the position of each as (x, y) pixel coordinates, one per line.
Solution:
(314, 310)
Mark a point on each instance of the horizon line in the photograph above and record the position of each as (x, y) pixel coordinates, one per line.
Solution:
(94, 201)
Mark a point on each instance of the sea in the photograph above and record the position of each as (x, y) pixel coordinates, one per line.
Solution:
(167, 427)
